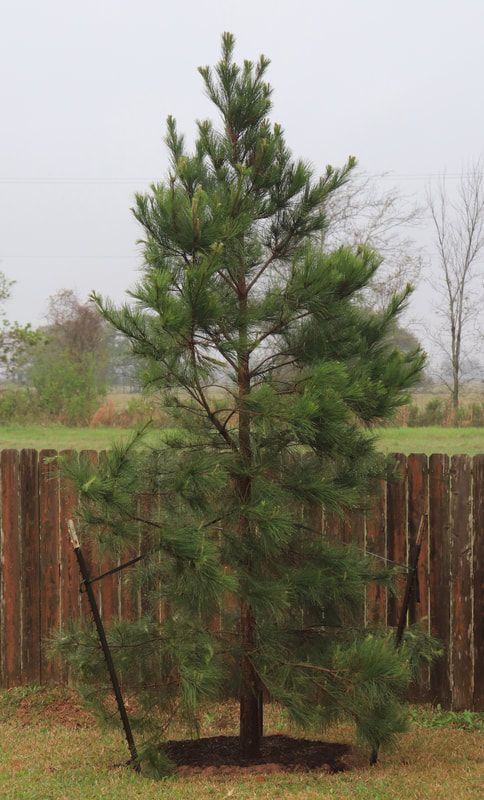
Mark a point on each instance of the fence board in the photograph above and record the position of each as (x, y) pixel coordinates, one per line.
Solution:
(376, 605)
(49, 549)
(146, 506)
(11, 562)
(89, 457)
(397, 531)
(357, 525)
(478, 593)
(417, 507)
(439, 531)
(461, 559)
(109, 586)
(30, 536)
(70, 579)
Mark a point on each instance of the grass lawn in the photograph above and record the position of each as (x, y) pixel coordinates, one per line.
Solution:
(50, 752)
(59, 437)
(402, 440)
(432, 440)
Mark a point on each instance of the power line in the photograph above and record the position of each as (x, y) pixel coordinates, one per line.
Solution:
(75, 258)
(145, 180)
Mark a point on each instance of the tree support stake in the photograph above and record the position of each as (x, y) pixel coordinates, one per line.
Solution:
(412, 581)
(86, 580)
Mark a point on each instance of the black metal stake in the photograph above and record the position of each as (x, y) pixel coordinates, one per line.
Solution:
(411, 582)
(84, 570)
(409, 586)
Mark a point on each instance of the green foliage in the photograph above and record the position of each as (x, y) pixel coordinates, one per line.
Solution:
(64, 363)
(17, 404)
(275, 375)
(16, 340)
(67, 388)
(440, 412)
(443, 718)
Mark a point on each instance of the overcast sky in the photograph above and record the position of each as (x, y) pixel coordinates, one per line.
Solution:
(85, 88)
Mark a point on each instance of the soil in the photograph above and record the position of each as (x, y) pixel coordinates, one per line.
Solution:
(279, 753)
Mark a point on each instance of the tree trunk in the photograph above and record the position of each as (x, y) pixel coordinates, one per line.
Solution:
(250, 693)
(250, 690)
(455, 397)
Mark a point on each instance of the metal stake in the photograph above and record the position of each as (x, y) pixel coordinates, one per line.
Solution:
(411, 580)
(84, 570)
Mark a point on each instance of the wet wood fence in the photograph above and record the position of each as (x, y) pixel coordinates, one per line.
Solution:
(39, 581)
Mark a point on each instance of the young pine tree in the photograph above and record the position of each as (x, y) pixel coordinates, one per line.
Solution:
(275, 373)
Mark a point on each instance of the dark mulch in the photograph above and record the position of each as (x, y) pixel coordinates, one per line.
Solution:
(219, 754)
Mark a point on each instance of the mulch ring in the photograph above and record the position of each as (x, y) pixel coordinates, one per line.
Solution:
(220, 755)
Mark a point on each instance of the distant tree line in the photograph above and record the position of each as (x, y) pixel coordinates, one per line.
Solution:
(62, 370)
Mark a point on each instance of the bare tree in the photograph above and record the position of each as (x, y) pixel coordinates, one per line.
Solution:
(76, 325)
(361, 212)
(459, 240)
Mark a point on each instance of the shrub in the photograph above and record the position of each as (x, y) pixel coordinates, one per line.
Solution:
(17, 405)
(68, 389)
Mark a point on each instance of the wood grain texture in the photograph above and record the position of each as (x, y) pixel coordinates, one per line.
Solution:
(461, 566)
(478, 570)
(397, 532)
(108, 588)
(417, 477)
(30, 549)
(439, 560)
(376, 601)
(90, 457)
(49, 554)
(11, 570)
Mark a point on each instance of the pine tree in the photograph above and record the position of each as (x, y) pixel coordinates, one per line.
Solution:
(275, 371)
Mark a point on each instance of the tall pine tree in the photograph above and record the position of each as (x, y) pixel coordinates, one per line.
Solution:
(274, 372)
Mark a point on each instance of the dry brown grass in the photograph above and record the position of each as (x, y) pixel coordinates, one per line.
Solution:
(49, 758)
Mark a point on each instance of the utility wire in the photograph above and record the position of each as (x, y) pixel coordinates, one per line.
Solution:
(140, 180)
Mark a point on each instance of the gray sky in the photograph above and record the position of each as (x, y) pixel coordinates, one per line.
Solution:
(85, 88)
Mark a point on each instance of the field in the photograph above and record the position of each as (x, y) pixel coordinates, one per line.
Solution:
(403, 440)
(49, 750)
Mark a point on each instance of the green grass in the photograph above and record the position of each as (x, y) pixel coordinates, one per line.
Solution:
(439, 717)
(59, 437)
(432, 440)
(49, 752)
(402, 440)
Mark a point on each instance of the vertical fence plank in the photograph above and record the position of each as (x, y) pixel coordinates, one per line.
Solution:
(88, 457)
(11, 563)
(109, 586)
(109, 589)
(30, 546)
(376, 605)
(49, 561)
(70, 578)
(439, 532)
(397, 531)
(356, 526)
(127, 599)
(461, 559)
(478, 517)
(417, 472)
(312, 516)
(146, 507)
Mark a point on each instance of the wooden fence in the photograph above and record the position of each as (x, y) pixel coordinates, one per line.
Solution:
(39, 580)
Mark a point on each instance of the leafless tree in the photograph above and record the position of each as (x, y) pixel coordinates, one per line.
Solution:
(458, 221)
(76, 325)
(363, 212)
